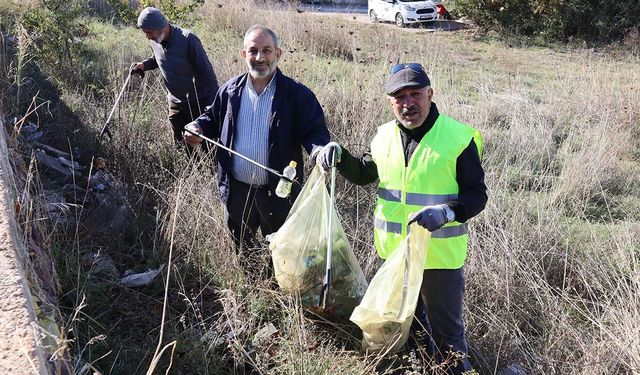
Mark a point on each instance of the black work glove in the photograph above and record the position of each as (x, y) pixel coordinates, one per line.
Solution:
(433, 217)
(138, 72)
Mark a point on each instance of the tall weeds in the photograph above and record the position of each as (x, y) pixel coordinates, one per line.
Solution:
(552, 275)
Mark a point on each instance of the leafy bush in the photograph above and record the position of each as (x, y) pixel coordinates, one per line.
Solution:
(55, 31)
(555, 20)
(121, 11)
(174, 12)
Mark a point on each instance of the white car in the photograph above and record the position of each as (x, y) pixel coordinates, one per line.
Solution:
(402, 12)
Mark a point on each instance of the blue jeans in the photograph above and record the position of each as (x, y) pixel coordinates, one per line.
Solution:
(439, 315)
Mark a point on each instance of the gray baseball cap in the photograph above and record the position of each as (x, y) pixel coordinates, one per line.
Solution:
(406, 75)
(152, 18)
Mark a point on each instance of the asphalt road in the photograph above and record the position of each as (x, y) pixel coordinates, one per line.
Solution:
(359, 13)
(349, 9)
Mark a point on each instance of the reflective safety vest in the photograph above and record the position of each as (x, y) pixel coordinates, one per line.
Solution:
(429, 179)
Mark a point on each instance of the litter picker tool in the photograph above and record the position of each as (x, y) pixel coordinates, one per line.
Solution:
(115, 105)
(326, 282)
(218, 144)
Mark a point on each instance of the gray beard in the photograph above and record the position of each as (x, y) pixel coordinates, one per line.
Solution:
(258, 74)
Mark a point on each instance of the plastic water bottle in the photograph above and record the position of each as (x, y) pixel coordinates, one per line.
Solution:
(284, 187)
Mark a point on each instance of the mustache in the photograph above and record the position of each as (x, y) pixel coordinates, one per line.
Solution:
(406, 110)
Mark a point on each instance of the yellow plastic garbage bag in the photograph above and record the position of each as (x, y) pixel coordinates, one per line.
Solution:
(299, 252)
(386, 311)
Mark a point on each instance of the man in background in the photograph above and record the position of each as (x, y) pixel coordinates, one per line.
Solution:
(186, 71)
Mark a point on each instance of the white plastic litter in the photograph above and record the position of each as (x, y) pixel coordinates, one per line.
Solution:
(264, 334)
(139, 279)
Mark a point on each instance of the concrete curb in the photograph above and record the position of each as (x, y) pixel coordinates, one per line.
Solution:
(20, 348)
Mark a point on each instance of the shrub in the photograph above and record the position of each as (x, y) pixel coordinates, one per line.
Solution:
(555, 20)
(174, 12)
(55, 31)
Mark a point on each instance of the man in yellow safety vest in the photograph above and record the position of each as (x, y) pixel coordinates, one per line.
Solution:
(429, 172)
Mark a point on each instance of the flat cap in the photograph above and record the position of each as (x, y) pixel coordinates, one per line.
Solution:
(152, 18)
(406, 75)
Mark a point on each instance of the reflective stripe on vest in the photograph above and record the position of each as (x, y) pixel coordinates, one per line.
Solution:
(387, 226)
(444, 232)
(390, 195)
(416, 199)
(428, 179)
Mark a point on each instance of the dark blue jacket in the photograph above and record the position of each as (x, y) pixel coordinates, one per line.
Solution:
(297, 121)
(185, 67)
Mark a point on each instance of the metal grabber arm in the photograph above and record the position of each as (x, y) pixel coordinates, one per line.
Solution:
(104, 129)
(326, 282)
(218, 144)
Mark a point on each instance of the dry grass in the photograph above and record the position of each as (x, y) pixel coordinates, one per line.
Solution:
(553, 275)
(554, 255)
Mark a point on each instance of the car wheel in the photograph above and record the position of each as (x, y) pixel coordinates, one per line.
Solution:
(399, 20)
(373, 16)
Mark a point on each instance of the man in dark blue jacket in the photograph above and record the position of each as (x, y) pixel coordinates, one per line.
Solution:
(267, 117)
(186, 70)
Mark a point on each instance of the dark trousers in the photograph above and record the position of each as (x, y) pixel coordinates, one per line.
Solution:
(180, 114)
(438, 318)
(249, 208)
